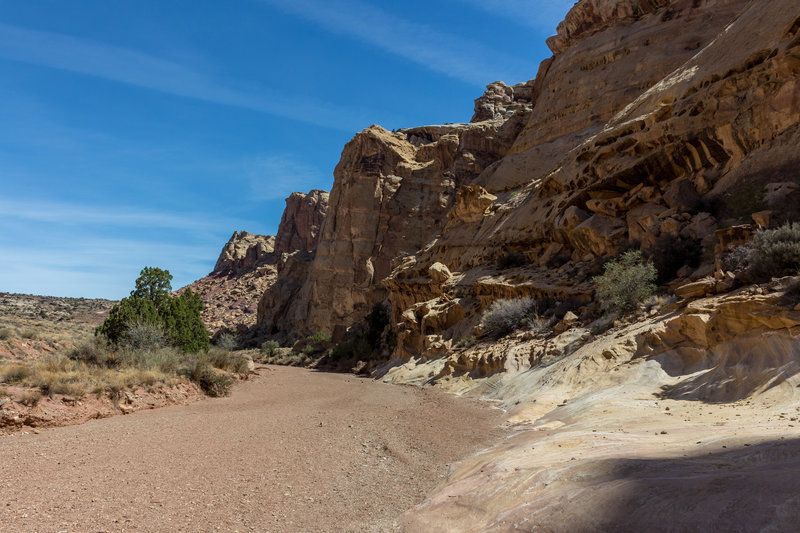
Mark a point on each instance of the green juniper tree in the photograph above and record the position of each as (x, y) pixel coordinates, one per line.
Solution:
(150, 302)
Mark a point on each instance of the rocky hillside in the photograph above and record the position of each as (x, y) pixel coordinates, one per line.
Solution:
(249, 264)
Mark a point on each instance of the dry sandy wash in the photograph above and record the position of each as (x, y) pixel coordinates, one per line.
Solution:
(290, 450)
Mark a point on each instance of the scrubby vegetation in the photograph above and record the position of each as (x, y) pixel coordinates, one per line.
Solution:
(505, 316)
(626, 282)
(227, 341)
(774, 253)
(150, 302)
(151, 337)
(466, 342)
(318, 338)
(98, 366)
(268, 348)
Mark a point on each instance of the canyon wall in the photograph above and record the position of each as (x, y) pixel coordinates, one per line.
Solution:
(644, 120)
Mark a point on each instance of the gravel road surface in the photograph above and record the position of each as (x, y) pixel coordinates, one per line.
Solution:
(290, 450)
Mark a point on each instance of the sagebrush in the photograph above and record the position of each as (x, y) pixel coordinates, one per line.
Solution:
(626, 282)
(505, 316)
(774, 253)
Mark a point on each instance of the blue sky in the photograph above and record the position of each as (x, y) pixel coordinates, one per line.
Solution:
(144, 132)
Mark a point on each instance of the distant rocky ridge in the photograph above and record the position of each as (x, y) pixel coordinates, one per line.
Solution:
(248, 264)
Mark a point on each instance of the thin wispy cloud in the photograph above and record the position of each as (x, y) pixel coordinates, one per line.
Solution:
(66, 214)
(131, 67)
(429, 47)
(542, 15)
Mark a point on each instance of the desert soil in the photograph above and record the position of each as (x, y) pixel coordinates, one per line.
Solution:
(290, 450)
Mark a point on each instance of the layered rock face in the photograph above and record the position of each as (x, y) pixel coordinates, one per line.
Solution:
(301, 222)
(647, 118)
(248, 264)
(391, 195)
(616, 154)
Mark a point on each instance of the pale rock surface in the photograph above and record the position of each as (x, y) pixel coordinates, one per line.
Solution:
(661, 409)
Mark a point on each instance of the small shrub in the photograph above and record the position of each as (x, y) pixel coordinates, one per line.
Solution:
(626, 282)
(466, 342)
(166, 359)
(143, 336)
(791, 296)
(774, 253)
(268, 348)
(240, 364)
(15, 373)
(227, 341)
(504, 316)
(213, 382)
(5, 333)
(29, 333)
(219, 358)
(735, 259)
(52, 384)
(318, 337)
(539, 324)
(94, 351)
(30, 398)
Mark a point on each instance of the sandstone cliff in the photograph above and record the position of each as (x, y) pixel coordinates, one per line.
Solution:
(646, 118)
(248, 264)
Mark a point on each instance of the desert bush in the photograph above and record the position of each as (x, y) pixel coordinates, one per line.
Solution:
(466, 342)
(30, 398)
(227, 341)
(94, 351)
(29, 333)
(143, 336)
(774, 253)
(505, 316)
(670, 253)
(539, 324)
(17, 373)
(5, 333)
(268, 348)
(791, 296)
(51, 384)
(213, 382)
(225, 360)
(735, 259)
(318, 337)
(625, 282)
(165, 359)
